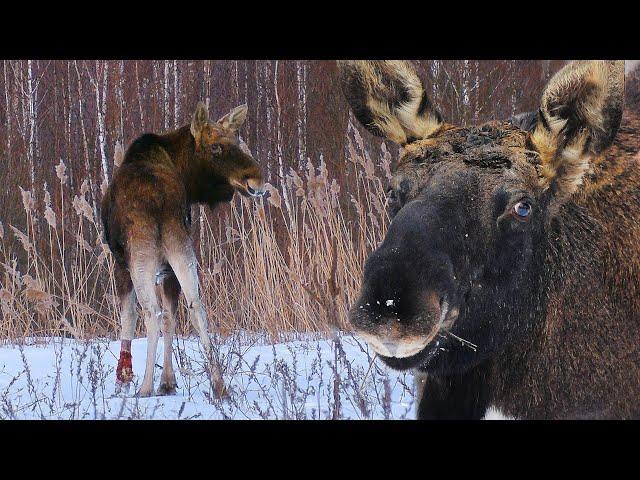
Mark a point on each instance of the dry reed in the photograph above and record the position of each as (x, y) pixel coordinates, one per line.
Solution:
(57, 274)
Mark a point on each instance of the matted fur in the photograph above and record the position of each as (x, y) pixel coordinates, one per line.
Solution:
(389, 99)
(146, 214)
(578, 118)
(548, 299)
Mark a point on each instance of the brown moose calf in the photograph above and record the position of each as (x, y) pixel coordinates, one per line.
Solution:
(146, 218)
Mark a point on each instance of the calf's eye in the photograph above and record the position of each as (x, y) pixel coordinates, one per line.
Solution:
(522, 210)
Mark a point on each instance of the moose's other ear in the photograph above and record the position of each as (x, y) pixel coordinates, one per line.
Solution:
(525, 121)
(388, 99)
(235, 118)
(579, 117)
(200, 119)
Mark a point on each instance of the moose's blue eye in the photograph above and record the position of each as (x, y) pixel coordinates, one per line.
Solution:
(522, 209)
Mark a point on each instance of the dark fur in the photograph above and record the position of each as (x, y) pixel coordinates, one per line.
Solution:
(161, 176)
(551, 301)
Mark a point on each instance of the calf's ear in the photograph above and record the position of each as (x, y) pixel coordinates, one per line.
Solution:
(200, 119)
(578, 118)
(235, 118)
(388, 99)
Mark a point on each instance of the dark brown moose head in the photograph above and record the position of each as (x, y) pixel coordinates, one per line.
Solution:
(221, 155)
(472, 210)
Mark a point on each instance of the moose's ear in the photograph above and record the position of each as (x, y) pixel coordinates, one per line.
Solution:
(579, 116)
(235, 118)
(200, 119)
(388, 98)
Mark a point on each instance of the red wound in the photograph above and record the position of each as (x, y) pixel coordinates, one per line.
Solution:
(124, 371)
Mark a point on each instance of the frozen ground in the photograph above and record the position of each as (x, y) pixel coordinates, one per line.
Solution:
(303, 379)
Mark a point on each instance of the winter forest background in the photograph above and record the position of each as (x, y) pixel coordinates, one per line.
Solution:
(287, 263)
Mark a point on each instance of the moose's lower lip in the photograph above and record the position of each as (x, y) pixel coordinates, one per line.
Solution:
(253, 192)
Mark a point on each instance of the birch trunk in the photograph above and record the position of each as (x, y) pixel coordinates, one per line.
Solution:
(7, 98)
(31, 94)
(176, 95)
(85, 142)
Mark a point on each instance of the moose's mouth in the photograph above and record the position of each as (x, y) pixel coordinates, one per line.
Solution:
(249, 188)
(255, 192)
(404, 345)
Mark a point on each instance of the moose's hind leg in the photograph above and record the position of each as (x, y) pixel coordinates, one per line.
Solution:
(128, 321)
(182, 258)
(170, 293)
(143, 268)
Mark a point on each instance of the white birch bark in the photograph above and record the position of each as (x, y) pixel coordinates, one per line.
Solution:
(302, 113)
(31, 100)
(7, 99)
(121, 100)
(281, 173)
(176, 95)
(139, 97)
(85, 142)
(166, 94)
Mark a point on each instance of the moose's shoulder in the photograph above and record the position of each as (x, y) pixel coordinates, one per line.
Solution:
(147, 147)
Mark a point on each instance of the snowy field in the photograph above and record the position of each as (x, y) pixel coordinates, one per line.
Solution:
(303, 379)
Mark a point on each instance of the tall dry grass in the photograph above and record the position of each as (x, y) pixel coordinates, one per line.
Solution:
(57, 274)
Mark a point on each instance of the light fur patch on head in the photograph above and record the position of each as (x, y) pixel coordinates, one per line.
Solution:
(380, 84)
(402, 120)
(580, 109)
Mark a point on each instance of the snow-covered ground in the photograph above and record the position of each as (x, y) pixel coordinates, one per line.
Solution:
(303, 379)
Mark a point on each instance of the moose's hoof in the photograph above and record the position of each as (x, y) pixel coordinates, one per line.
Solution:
(221, 391)
(167, 389)
(145, 392)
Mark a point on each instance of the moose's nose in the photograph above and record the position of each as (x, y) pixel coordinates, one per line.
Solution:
(256, 189)
(408, 290)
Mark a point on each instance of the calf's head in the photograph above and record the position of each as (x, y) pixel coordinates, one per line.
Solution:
(221, 155)
(471, 210)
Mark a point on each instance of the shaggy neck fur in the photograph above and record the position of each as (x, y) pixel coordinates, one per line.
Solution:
(547, 375)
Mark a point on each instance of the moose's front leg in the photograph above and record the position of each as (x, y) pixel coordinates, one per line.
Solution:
(451, 397)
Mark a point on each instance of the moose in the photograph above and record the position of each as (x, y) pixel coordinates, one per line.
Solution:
(146, 214)
(509, 277)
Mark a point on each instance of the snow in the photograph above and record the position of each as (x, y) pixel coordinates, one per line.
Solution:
(308, 378)
(302, 379)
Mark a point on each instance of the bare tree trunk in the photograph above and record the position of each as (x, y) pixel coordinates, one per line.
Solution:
(176, 95)
(7, 98)
(101, 111)
(32, 101)
(121, 101)
(139, 97)
(166, 95)
(85, 143)
(302, 113)
(207, 95)
(281, 173)
(207, 81)
(69, 118)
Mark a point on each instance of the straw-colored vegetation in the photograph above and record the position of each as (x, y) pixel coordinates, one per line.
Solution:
(57, 273)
